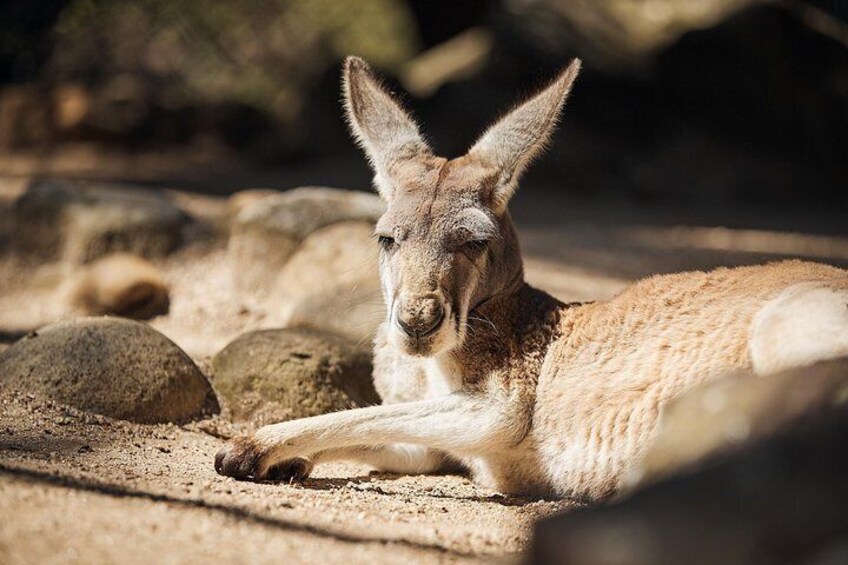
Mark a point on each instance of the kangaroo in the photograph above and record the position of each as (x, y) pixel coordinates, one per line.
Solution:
(478, 370)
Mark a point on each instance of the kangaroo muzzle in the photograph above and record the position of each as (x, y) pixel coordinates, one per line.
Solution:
(420, 317)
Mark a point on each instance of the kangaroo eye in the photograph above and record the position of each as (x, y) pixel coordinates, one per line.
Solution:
(386, 242)
(475, 246)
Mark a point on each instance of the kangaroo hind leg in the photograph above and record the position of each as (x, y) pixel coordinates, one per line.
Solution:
(806, 323)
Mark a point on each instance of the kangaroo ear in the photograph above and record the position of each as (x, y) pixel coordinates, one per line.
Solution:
(515, 140)
(379, 124)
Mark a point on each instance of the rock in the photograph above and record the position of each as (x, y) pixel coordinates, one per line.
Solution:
(331, 282)
(119, 284)
(267, 231)
(244, 198)
(780, 500)
(271, 376)
(111, 366)
(80, 222)
(343, 254)
(354, 313)
(733, 412)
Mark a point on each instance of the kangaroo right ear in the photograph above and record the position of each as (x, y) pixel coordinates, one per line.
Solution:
(520, 136)
(380, 125)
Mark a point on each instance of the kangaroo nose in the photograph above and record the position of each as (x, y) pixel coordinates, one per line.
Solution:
(422, 319)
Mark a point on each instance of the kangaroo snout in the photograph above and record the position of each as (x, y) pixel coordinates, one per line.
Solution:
(419, 317)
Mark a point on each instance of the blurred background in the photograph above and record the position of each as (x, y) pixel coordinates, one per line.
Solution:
(727, 117)
(148, 152)
(713, 103)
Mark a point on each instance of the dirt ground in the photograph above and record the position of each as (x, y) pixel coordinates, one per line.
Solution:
(78, 488)
(81, 488)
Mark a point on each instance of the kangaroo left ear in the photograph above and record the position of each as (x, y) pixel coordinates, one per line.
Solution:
(379, 123)
(520, 136)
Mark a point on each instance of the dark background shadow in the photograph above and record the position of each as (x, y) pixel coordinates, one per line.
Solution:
(722, 112)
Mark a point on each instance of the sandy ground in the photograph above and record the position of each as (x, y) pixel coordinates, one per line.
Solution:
(82, 488)
(77, 488)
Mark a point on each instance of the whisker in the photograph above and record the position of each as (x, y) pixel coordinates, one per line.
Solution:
(481, 318)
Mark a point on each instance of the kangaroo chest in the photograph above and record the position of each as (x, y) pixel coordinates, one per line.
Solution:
(442, 377)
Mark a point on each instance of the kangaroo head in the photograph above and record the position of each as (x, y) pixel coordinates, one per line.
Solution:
(447, 241)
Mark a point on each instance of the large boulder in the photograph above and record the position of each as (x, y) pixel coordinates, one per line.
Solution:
(267, 230)
(111, 366)
(271, 376)
(354, 313)
(80, 222)
(734, 412)
(331, 282)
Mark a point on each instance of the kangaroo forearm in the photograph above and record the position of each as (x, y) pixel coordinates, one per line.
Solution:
(455, 423)
(395, 458)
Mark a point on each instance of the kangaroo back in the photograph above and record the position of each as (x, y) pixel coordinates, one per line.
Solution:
(618, 363)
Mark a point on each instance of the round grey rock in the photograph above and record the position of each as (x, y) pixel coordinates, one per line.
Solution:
(111, 366)
(269, 376)
(80, 222)
(266, 230)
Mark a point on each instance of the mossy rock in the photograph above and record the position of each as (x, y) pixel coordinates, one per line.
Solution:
(269, 376)
(111, 366)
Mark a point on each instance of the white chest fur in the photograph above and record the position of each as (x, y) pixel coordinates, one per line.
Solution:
(443, 376)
